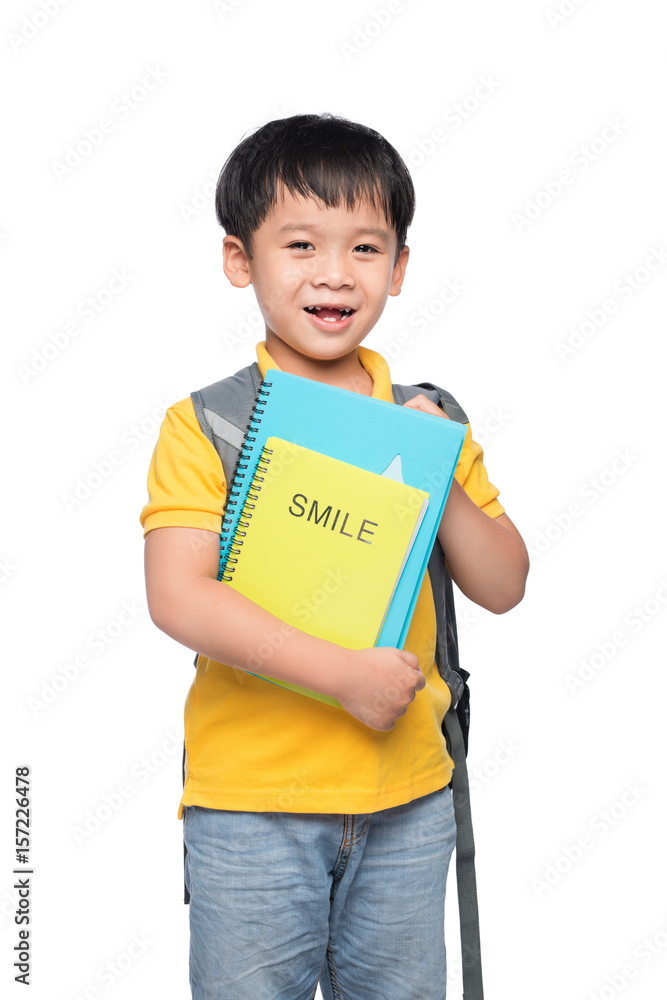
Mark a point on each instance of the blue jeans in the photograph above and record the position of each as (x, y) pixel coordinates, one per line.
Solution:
(278, 900)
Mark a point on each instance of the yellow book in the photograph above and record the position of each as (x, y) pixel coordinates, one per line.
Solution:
(321, 544)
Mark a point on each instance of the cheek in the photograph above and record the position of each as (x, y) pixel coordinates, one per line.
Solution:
(381, 294)
(283, 285)
(271, 296)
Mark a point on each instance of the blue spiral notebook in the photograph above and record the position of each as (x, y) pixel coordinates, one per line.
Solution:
(413, 447)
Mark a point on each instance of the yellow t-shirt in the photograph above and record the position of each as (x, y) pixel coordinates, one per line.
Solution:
(255, 746)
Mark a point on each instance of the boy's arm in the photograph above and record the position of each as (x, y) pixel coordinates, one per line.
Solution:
(486, 557)
(189, 603)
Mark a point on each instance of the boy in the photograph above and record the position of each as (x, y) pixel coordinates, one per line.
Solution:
(315, 837)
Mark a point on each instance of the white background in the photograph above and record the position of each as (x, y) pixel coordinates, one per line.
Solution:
(581, 432)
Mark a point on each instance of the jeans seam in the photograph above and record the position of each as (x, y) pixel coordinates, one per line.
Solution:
(347, 843)
(341, 850)
(361, 832)
(332, 973)
(353, 839)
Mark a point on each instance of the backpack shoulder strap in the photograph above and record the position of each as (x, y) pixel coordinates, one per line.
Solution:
(223, 410)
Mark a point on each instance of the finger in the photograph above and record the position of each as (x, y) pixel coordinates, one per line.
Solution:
(421, 402)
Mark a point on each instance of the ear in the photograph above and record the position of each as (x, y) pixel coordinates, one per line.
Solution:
(235, 262)
(399, 271)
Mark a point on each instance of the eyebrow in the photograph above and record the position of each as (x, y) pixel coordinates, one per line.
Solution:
(379, 234)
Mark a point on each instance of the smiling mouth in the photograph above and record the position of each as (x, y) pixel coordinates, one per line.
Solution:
(329, 313)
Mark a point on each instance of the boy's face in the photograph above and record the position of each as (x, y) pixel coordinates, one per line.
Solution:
(308, 255)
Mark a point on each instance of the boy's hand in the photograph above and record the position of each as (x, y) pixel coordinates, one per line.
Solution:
(422, 402)
(381, 683)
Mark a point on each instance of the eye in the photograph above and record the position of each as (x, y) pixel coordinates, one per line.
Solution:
(300, 245)
(366, 246)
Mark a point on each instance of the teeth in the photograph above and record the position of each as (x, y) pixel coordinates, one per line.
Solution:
(344, 312)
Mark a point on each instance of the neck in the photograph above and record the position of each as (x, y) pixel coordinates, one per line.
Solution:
(346, 372)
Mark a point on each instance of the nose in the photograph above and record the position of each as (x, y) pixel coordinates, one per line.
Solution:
(333, 270)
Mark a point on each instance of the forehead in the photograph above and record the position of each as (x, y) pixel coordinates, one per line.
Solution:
(293, 212)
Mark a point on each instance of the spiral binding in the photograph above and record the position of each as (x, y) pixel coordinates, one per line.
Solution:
(235, 489)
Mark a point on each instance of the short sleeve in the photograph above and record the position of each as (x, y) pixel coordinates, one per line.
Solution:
(186, 483)
(471, 474)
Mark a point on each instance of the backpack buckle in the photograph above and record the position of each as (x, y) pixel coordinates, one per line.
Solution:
(456, 685)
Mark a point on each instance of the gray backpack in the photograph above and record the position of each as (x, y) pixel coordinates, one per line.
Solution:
(223, 410)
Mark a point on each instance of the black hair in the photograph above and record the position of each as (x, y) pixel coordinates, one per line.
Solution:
(323, 155)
